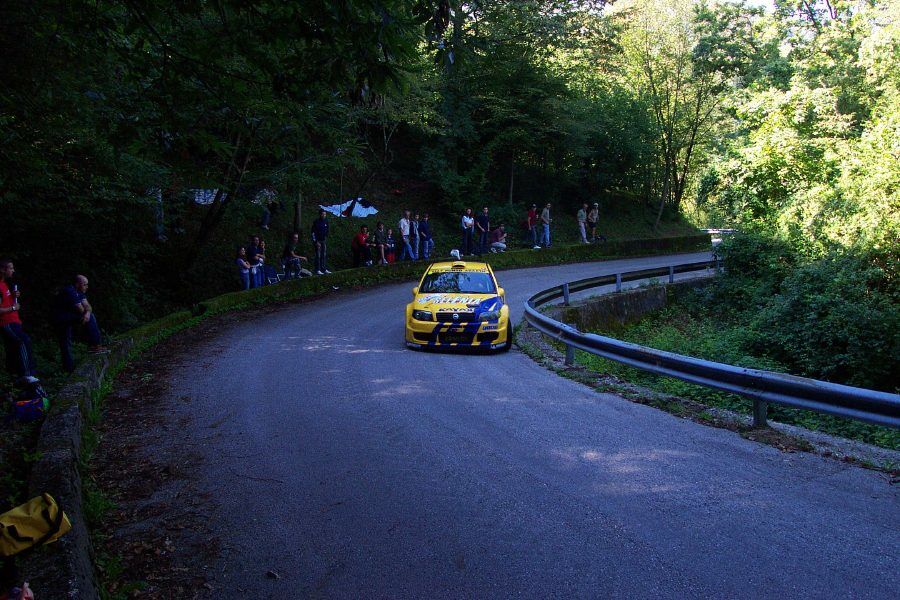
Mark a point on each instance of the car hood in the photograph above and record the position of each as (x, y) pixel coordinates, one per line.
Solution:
(458, 302)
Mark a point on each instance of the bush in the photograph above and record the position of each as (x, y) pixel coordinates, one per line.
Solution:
(838, 319)
(834, 318)
(755, 268)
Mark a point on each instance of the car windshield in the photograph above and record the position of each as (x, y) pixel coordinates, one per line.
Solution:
(453, 282)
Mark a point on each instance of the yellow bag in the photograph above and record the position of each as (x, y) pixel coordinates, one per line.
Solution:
(38, 521)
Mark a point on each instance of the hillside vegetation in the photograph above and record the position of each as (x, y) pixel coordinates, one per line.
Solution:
(781, 122)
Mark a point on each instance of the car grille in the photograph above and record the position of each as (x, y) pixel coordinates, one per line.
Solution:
(490, 336)
(446, 316)
(455, 337)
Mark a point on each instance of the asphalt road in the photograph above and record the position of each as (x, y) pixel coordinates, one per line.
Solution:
(354, 467)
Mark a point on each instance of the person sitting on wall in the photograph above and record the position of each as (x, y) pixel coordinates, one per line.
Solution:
(73, 315)
(291, 260)
(379, 243)
(359, 246)
(390, 246)
(498, 239)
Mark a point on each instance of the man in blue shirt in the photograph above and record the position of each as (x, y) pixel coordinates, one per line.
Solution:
(72, 313)
(425, 235)
(319, 235)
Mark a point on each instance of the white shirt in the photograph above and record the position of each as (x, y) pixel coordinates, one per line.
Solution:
(468, 222)
(404, 227)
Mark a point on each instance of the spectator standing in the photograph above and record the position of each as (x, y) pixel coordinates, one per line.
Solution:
(425, 234)
(267, 199)
(532, 224)
(243, 268)
(266, 216)
(405, 231)
(593, 219)
(253, 258)
(498, 239)
(16, 343)
(414, 235)
(582, 220)
(545, 226)
(291, 260)
(359, 246)
(468, 228)
(483, 229)
(73, 315)
(261, 279)
(319, 237)
(380, 243)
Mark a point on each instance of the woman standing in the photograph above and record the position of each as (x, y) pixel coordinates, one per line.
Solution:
(468, 228)
(243, 268)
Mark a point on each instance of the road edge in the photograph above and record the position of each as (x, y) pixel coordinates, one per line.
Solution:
(65, 568)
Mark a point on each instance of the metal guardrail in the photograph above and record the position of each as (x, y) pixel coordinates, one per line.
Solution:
(719, 231)
(762, 387)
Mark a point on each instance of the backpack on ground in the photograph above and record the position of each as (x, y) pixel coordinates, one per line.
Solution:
(32, 404)
(38, 521)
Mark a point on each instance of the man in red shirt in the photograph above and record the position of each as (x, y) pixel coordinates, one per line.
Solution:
(362, 255)
(533, 225)
(16, 343)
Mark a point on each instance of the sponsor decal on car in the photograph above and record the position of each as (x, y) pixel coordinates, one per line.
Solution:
(448, 299)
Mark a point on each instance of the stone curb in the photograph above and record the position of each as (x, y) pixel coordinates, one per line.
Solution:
(64, 569)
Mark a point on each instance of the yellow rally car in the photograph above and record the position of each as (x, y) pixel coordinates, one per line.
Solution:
(458, 304)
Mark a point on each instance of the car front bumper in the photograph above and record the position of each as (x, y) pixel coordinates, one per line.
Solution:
(477, 334)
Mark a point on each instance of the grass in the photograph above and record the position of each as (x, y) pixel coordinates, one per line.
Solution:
(711, 335)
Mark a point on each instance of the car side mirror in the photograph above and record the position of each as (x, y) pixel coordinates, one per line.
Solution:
(501, 292)
(415, 290)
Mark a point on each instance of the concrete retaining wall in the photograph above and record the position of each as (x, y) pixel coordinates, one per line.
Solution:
(611, 312)
(64, 569)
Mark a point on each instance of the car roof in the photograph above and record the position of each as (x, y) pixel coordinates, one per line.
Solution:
(459, 265)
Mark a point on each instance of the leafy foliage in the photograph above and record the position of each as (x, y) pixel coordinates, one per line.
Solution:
(783, 123)
(834, 318)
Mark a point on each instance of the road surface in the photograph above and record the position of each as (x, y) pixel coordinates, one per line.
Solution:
(354, 467)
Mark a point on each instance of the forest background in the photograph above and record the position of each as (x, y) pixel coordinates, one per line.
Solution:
(781, 120)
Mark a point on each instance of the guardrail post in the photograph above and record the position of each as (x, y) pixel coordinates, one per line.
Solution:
(566, 294)
(760, 408)
(570, 355)
(618, 282)
(671, 274)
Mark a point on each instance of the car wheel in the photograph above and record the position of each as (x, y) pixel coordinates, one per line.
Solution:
(508, 344)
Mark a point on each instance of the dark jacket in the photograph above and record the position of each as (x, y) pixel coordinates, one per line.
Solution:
(320, 230)
(424, 230)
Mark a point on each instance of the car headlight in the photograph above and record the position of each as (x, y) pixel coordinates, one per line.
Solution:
(493, 315)
(423, 315)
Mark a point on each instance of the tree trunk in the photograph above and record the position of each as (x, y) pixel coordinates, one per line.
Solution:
(664, 195)
(216, 211)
